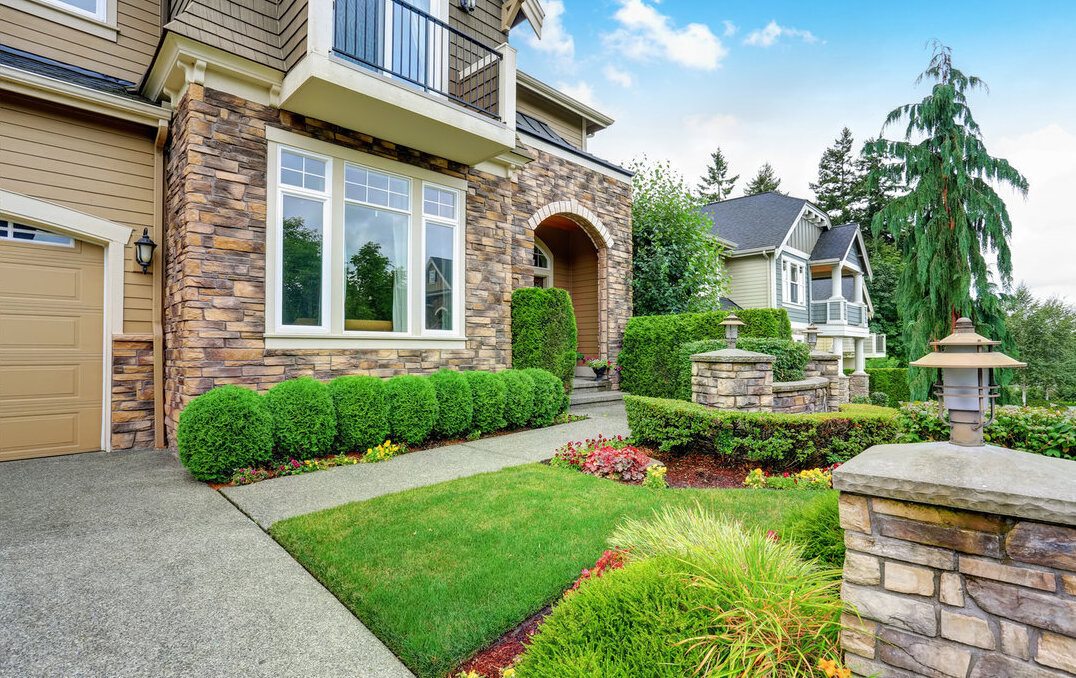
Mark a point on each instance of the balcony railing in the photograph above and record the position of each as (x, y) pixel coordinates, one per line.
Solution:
(407, 44)
(839, 312)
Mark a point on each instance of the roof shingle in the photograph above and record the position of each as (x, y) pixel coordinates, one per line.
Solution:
(754, 221)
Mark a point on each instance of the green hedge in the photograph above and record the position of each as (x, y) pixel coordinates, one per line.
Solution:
(683, 360)
(304, 417)
(776, 440)
(455, 404)
(1050, 431)
(362, 417)
(791, 356)
(222, 430)
(648, 361)
(489, 394)
(519, 397)
(412, 402)
(892, 381)
(548, 396)
(544, 332)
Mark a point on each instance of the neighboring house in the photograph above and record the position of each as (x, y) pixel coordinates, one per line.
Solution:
(783, 252)
(334, 187)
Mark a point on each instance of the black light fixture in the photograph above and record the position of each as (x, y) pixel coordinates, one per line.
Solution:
(144, 247)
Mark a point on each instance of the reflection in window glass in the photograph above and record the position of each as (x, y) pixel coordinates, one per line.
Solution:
(300, 170)
(95, 7)
(12, 231)
(437, 202)
(375, 258)
(439, 271)
(376, 188)
(302, 243)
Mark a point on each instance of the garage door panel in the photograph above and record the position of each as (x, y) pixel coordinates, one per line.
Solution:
(50, 330)
(61, 431)
(18, 281)
(29, 385)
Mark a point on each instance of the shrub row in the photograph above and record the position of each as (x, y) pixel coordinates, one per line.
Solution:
(892, 381)
(230, 427)
(1042, 430)
(544, 332)
(649, 364)
(778, 440)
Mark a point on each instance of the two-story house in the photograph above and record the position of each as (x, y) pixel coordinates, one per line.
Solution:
(332, 187)
(783, 252)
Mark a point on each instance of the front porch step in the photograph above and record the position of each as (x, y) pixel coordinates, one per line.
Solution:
(594, 397)
(590, 385)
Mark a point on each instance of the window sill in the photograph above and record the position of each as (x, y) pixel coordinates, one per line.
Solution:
(71, 19)
(307, 341)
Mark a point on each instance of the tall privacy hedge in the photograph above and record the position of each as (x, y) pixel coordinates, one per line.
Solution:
(544, 332)
(892, 381)
(649, 362)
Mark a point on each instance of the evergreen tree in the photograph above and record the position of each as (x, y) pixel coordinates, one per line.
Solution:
(878, 185)
(839, 190)
(951, 215)
(716, 184)
(764, 181)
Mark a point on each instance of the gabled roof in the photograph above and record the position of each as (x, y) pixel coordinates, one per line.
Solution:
(50, 68)
(834, 243)
(539, 130)
(754, 221)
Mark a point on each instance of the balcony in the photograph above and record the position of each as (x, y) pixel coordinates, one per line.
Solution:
(839, 312)
(389, 69)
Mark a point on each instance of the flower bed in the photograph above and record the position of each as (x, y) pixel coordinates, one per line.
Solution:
(807, 479)
(611, 458)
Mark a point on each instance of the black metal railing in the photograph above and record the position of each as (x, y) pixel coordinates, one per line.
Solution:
(408, 44)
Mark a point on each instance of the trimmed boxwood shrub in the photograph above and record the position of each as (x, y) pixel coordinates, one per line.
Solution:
(222, 430)
(892, 381)
(548, 397)
(778, 440)
(304, 418)
(362, 417)
(649, 358)
(544, 332)
(519, 397)
(455, 407)
(488, 394)
(412, 405)
(791, 356)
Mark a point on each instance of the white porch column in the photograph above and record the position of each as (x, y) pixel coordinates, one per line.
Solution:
(857, 288)
(861, 355)
(838, 346)
(836, 291)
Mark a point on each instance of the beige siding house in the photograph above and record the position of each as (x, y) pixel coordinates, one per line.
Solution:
(235, 135)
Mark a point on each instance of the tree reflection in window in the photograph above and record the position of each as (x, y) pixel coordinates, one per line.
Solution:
(371, 281)
(301, 300)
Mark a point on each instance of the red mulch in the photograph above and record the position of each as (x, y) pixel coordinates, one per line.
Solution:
(503, 653)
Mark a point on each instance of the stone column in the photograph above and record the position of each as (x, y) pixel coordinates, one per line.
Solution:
(827, 365)
(733, 379)
(960, 562)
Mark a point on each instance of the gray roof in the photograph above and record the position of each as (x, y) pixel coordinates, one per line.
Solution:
(730, 305)
(834, 243)
(754, 221)
(50, 68)
(540, 130)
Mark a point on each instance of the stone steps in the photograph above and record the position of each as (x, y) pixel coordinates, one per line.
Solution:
(595, 397)
(589, 385)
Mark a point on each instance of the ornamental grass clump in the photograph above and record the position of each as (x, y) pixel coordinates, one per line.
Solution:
(304, 417)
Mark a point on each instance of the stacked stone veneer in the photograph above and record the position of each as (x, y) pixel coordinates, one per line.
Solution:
(858, 385)
(216, 241)
(132, 391)
(732, 379)
(976, 578)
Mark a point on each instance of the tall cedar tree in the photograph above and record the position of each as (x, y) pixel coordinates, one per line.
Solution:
(716, 184)
(949, 218)
(765, 181)
(839, 190)
(676, 262)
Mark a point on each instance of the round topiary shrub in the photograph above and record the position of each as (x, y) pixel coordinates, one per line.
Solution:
(519, 397)
(455, 409)
(304, 418)
(548, 396)
(223, 430)
(362, 417)
(412, 403)
(488, 394)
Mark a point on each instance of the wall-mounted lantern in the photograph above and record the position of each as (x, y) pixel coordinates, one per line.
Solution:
(144, 247)
(732, 329)
(811, 332)
(468, 5)
(967, 390)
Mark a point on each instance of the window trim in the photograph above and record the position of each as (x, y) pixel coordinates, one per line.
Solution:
(457, 256)
(786, 282)
(547, 273)
(101, 23)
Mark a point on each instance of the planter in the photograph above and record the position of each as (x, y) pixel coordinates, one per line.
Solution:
(600, 372)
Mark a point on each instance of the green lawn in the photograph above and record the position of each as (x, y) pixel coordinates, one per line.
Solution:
(440, 572)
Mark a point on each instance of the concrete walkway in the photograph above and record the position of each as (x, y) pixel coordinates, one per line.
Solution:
(272, 500)
(119, 564)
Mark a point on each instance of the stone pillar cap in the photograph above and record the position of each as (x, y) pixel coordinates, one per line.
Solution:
(987, 479)
(822, 355)
(733, 355)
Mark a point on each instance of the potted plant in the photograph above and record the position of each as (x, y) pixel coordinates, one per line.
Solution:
(601, 367)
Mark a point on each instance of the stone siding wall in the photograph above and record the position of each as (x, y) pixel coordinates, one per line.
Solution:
(215, 244)
(945, 592)
(801, 397)
(858, 386)
(132, 392)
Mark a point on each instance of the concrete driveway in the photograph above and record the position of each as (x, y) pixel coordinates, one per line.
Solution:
(119, 564)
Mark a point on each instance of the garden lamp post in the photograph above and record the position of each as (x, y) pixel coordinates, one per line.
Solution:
(732, 329)
(967, 362)
(811, 332)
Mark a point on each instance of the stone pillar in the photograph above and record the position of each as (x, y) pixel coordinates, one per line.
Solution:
(961, 562)
(835, 279)
(733, 379)
(827, 365)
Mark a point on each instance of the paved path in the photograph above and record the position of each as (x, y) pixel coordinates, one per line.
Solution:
(120, 564)
(272, 500)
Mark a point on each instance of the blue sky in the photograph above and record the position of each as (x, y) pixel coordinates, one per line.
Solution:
(776, 81)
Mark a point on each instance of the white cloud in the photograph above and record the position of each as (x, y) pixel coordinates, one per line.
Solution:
(581, 91)
(645, 34)
(772, 32)
(618, 76)
(556, 40)
(730, 28)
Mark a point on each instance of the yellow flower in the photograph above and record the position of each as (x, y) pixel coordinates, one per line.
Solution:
(828, 666)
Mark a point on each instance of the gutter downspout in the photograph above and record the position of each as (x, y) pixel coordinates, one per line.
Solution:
(159, 192)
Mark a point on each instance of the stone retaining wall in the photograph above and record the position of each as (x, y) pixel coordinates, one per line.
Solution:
(858, 385)
(797, 397)
(733, 379)
(957, 570)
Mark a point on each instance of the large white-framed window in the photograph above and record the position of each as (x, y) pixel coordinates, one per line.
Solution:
(390, 268)
(794, 287)
(96, 17)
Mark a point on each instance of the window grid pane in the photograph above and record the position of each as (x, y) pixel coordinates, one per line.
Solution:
(302, 171)
(376, 188)
(440, 284)
(20, 232)
(438, 202)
